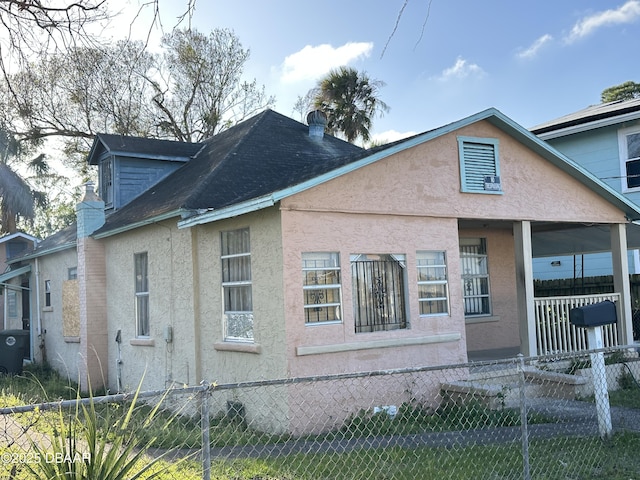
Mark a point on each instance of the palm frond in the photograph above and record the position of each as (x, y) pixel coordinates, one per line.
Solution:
(16, 196)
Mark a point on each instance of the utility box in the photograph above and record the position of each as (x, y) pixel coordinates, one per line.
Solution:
(594, 315)
(14, 344)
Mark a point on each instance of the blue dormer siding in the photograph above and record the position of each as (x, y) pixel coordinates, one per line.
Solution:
(133, 176)
(129, 166)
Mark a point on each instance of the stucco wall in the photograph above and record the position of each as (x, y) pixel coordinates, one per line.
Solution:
(228, 361)
(500, 329)
(309, 231)
(62, 353)
(425, 180)
(170, 304)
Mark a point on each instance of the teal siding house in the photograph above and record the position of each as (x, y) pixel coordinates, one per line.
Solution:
(605, 140)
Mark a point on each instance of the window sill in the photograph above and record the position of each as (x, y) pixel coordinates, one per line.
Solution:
(372, 344)
(143, 342)
(238, 347)
(47, 309)
(72, 339)
(485, 319)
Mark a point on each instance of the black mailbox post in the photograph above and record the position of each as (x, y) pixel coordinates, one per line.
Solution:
(594, 315)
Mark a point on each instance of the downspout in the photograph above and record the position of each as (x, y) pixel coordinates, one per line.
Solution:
(5, 308)
(38, 315)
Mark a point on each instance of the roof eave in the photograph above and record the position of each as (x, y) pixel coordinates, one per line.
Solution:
(235, 210)
(42, 253)
(141, 223)
(560, 131)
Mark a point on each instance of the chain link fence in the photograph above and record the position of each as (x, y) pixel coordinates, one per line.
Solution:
(521, 418)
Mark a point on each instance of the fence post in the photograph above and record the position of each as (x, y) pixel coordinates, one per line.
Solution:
(204, 426)
(524, 428)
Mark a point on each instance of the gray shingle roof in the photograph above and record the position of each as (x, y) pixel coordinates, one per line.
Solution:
(589, 114)
(261, 155)
(141, 147)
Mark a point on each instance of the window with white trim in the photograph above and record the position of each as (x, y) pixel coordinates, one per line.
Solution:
(475, 276)
(321, 286)
(629, 147)
(141, 266)
(433, 287)
(379, 294)
(236, 285)
(479, 165)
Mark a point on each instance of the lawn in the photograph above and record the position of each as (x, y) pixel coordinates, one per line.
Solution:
(557, 458)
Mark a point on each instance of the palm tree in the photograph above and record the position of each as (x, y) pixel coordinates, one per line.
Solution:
(350, 101)
(17, 198)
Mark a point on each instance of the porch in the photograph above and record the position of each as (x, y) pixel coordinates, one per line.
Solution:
(542, 323)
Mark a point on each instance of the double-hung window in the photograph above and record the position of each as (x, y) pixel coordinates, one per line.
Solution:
(379, 292)
(629, 146)
(475, 276)
(321, 287)
(433, 290)
(236, 285)
(141, 265)
(479, 165)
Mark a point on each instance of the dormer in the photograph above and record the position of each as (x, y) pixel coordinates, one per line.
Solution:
(128, 166)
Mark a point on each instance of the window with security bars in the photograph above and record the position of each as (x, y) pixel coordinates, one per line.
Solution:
(141, 265)
(321, 287)
(475, 276)
(378, 292)
(433, 289)
(236, 285)
(629, 144)
(479, 165)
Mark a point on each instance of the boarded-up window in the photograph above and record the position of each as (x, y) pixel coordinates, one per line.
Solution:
(70, 309)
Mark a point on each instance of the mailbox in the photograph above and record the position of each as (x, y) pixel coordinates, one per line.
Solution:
(594, 315)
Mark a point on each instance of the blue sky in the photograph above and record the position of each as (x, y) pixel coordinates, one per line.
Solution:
(447, 59)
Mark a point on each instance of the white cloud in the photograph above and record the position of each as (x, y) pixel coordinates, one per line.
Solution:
(627, 13)
(461, 69)
(312, 62)
(532, 51)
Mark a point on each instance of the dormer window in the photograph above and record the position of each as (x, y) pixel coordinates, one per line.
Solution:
(106, 181)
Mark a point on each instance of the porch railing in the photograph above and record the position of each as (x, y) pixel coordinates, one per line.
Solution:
(556, 335)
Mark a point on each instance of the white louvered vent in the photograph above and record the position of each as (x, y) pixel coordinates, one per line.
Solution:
(479, 167)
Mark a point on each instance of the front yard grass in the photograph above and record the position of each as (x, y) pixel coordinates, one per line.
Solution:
(558, 458)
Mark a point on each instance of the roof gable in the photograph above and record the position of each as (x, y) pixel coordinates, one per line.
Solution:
(492, 115)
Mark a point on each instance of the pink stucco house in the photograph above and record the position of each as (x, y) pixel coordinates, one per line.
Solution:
(275, 251)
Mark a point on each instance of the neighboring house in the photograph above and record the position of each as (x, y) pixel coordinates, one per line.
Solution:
(14, 314)
(276, 251)
(605, 140)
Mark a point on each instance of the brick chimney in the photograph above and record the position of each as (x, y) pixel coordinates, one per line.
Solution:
(92, 292)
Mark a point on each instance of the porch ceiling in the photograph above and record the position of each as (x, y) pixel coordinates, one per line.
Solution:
(569, 239)
(554, 239)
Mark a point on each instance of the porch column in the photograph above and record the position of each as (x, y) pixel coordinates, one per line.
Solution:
(621, 282)
(524, 285)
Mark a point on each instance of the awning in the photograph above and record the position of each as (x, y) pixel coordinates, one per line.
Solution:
(14, 273)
